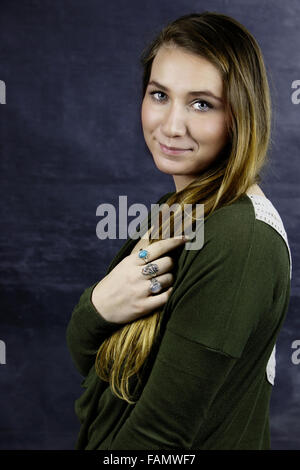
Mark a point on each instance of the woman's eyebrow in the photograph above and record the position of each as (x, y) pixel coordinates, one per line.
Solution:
(190, 93)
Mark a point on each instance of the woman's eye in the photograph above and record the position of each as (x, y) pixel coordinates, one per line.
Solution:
(156, 93)
(206, 107)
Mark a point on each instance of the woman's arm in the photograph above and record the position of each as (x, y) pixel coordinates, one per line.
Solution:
(174, 403)
(86, 331)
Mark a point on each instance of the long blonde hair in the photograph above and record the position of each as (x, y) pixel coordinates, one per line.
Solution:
(233, 50)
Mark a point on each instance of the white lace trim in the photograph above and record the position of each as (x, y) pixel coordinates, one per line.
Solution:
(265, 211)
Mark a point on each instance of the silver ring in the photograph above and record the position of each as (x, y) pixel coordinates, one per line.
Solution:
(155, 285)
(150, 268)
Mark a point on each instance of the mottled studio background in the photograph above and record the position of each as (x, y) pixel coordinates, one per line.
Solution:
(71, 139)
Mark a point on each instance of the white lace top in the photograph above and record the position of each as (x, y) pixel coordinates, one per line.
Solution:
(265, 211)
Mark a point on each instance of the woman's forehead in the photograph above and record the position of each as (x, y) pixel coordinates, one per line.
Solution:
(184, 72)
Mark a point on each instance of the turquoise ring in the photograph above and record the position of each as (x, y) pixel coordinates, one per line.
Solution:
(143, 254)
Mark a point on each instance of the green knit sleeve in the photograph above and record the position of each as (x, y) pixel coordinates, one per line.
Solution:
(183, 383)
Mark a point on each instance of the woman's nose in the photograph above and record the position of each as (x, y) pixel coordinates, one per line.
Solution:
(173, 122)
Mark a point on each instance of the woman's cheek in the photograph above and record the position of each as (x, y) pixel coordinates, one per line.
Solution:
(213, 129)
(147, 116)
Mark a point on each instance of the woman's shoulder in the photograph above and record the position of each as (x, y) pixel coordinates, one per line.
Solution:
(252, 219)
(248, 209)
(234, 219)
(269, 220)
(249, 224)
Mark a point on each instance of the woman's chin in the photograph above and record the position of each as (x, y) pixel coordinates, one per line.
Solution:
(166, 166)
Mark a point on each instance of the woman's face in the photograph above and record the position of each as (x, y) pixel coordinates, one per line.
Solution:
(179, 111)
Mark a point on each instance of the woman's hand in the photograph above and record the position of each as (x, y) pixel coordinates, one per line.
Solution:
(124, 294)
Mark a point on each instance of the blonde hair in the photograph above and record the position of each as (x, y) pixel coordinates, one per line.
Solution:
(233, 50)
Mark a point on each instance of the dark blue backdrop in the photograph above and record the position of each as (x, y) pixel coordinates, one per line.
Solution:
(71, 139)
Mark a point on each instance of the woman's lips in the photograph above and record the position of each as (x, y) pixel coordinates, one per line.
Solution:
(172, 150)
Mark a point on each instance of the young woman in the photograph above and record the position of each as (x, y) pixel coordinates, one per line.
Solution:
(177, 346)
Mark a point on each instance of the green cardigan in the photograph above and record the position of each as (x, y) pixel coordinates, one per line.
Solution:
(205, 383)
